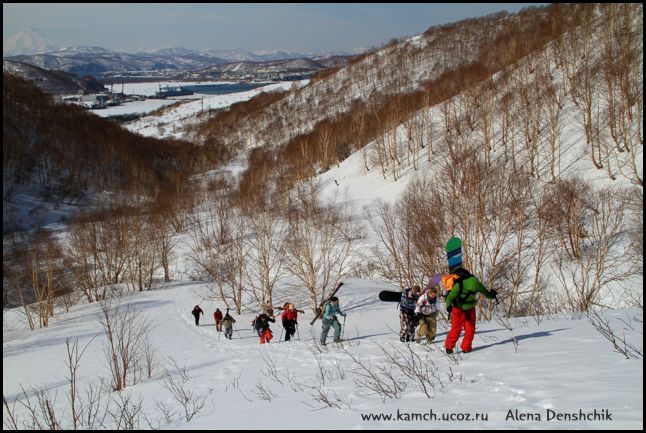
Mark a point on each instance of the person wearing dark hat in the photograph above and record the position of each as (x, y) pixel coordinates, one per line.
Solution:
(228, 322)
(330, 319)
(217, 316)
(261, 325)
(462, 287)
(196, 313)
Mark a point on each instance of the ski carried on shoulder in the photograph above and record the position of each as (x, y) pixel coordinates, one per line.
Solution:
(319, 310)
(281, 309)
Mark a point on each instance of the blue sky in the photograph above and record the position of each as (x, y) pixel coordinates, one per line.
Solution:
(305, 27)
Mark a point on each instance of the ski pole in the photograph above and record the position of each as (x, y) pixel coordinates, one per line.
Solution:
(298, 332)
(281, 333)
(343, 329)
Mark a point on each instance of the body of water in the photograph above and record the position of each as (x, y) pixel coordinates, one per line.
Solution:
(223, 89)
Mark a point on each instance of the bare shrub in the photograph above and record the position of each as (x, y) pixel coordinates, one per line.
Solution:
(411, 234)
(378, 380)
(327, 398)
(126, 344)
(127, 412)
(422, 371)
(220, 250)
(176, 382)
(589, 226)
(620, 344)
(263, 392)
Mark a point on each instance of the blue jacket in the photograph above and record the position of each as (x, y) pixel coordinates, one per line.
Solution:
(331, 310)
(407, 305)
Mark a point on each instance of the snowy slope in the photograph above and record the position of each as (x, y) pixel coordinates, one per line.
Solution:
(512, 379)
(169, 123)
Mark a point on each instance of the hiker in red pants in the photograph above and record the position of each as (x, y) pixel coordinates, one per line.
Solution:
(461, 300)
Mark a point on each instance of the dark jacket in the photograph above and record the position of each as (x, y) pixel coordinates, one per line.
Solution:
(261, 322)
(228, 321)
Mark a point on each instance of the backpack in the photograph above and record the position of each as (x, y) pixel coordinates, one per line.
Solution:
(260, 323)
(325, 304)
(456, 278)
(289, 314)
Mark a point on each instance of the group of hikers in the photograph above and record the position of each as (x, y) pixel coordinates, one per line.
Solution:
(225, 321)
(260, 323)
(330, 318)
(289, 318)
(459, 288)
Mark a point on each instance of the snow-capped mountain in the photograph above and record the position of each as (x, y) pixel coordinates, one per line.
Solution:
(99, 61)
(168, 62)
(29, 41)
(236, 54)
(179, 51)
(33, 47)
(80, 50)
(301, 64)
(284, 54)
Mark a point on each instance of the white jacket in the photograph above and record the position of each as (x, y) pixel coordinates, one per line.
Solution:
(426, 307)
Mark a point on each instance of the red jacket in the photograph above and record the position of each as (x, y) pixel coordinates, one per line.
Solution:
(289, 315)
(217, 315)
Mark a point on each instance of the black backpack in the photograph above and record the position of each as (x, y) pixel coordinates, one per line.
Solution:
(462, 274)
(260, 322)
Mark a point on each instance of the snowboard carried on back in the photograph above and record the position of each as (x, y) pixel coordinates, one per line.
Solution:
(390, 296)
(454, 253)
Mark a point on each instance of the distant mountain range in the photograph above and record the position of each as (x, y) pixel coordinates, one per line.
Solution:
(34, 47)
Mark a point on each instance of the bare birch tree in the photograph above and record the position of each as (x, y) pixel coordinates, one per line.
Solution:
(266, 256)
(320, 243)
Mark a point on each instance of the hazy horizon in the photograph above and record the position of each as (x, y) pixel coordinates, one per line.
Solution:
(319, 27)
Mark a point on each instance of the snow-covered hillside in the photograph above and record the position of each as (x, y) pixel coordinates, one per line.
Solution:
(174, 121)
(521, 374)
(26, 211)
(399, 67)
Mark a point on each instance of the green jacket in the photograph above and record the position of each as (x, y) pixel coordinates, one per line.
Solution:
(463, 293)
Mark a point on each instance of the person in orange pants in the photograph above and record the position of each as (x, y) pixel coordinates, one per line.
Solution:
(266, 336)
(261, 325)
